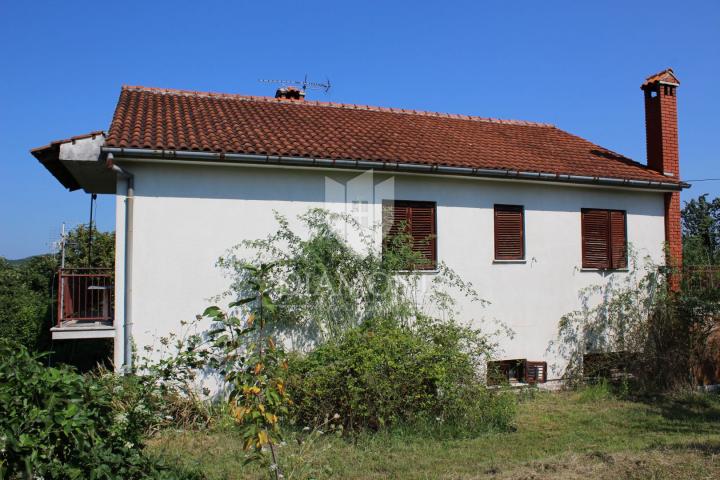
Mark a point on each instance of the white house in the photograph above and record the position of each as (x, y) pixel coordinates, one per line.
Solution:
(529, 213)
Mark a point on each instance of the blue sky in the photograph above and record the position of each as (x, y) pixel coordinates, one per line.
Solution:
(578, 65)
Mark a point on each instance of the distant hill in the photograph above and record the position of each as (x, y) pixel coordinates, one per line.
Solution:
(20, 261)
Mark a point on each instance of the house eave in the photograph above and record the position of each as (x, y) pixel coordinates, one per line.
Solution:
(349, 164)
(76, 163)
(49, 157)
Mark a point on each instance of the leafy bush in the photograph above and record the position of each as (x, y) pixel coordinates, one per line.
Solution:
(315, 292)
(323, 286)
(162, 389)
(326, 297)
(151, 403)
(385, 374)
(25, 300)
(641, 328)
(55, 423)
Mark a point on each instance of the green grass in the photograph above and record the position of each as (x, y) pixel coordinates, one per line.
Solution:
(587, 434)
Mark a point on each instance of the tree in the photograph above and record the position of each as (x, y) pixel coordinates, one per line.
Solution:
(701, 231)
(79, 253)
(23, 310)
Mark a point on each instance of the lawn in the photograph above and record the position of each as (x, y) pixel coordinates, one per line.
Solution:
(567, 435)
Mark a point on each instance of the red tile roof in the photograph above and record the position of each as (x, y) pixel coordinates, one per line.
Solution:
(666, 76)
(151, 118)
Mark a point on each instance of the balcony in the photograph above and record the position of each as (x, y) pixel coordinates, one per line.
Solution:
(85, 304)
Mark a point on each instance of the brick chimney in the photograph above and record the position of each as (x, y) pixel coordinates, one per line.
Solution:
(291, 93)
(663, 155)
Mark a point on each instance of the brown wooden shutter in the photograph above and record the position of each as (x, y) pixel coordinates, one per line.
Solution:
(604, 239)
(595, 238)
(396, 216)
(618, 240)
(422, 229)
(509, 234)
(419, 221)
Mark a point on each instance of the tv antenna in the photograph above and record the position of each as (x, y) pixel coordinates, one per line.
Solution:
(303, 84)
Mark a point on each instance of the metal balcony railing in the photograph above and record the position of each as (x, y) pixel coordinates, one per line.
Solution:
(85, 295)
(701, 276)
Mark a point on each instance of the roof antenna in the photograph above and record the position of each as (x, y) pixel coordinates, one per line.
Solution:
(304, 84)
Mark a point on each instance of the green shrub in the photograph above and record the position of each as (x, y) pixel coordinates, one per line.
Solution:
(384, 374)
(640, 329)
(600, 391)
(55, 423)
(322, 285)
(159, 393)
(25, 301)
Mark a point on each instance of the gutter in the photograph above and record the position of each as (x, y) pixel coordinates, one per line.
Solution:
(128, 273)
(391, 166)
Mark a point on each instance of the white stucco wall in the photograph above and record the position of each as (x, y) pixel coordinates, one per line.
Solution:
(188, 216)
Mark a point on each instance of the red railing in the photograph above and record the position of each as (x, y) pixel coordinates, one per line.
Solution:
(85, 295)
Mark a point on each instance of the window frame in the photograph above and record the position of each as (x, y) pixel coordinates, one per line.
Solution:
(516, 371)
(433, 264)
(509, 207)
(609, 251)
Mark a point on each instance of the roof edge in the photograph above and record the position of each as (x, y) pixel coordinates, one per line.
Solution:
(230, 158)
(665, 77)
(49, 156)
(317, 103)
(92, 134)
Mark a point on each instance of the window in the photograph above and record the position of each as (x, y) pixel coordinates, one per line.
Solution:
(518, 370)
(509, 232)
(417, 221)
(604, 239)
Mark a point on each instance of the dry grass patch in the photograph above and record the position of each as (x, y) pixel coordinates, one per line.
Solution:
(692, 462)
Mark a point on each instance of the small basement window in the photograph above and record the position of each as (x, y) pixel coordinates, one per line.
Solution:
(517, 371)
(609, 365)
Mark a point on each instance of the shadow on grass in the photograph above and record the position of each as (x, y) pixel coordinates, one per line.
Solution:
(709, 448)
(698, 414)
(692, 408)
